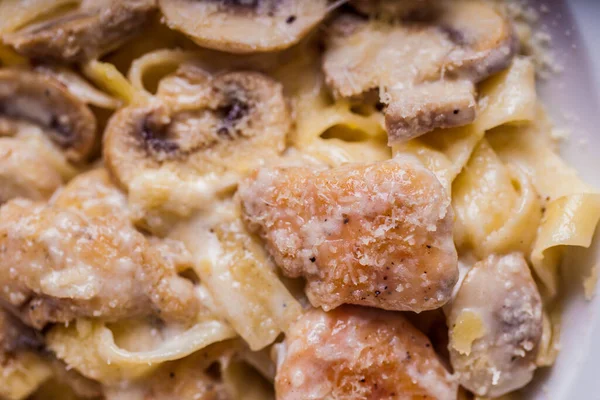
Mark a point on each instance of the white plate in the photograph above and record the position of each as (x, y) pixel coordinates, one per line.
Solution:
(572, 97)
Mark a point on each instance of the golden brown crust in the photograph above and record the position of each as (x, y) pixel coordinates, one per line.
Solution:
(57, 265)
(370, 234)
(360, 353)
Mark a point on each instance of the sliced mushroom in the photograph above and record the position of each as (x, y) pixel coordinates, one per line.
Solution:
(57, 265)
(426, 69)
(30, 97)
(200, 126)
(244, 26)
(495, 326)
(360, 353)
(23, 173)
(375, 235)
(91, 30)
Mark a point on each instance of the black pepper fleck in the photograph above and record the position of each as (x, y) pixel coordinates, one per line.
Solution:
(313, 259)
(290, 19)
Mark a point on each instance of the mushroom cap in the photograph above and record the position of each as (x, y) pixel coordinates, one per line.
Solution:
(199, 124)
(495, 326)
(485, 37)
(44, 101)
(244, 26)
(23, 173)
(434, 62)
(88, 32)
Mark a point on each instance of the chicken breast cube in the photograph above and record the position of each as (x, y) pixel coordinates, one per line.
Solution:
(495, 326)
(58, 264)
(376, 235)
(360, 353)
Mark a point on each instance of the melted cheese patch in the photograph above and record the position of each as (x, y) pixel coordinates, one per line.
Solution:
(469, 327)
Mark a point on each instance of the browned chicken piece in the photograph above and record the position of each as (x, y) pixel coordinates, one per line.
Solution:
(28, 97)
(94, 194)
(23, 173)
(91, 30)
(244, 26)
(369, 234)
(360, 353)
(426, 69)
(195, 377)
(57, 265)
(495, 326)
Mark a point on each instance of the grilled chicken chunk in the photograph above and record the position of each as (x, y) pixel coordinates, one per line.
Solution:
(376, 235)
(57, 265)
(360, 353)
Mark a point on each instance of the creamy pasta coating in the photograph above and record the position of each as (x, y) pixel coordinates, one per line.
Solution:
(293, 200)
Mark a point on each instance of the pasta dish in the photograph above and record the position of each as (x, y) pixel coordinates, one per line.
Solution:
(278, 199)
